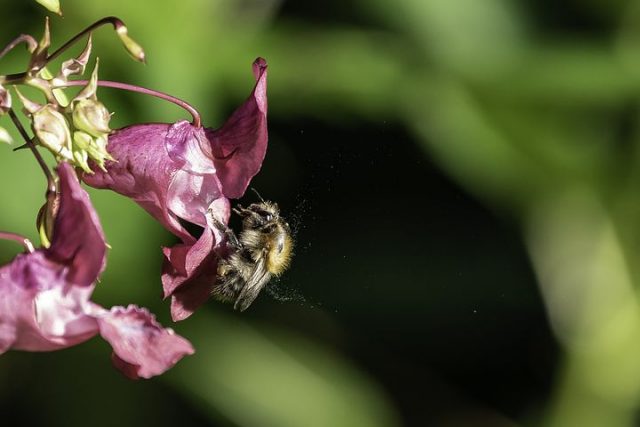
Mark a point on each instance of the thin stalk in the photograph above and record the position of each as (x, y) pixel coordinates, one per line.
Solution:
(51, 184)
(18, 238)
(197, 122)
(22, 38)
(19, 77)
(116, 22)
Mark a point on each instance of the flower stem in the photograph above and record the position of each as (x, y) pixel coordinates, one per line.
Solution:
(22, 38)
(51, 184)
(19, 77)
(116, 22)
(17, 238)
(132, 88)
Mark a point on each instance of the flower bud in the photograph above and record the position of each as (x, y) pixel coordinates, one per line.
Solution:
(134, 49)
(52, 5)
(94, 148)
(92, 117)
(29, 106)
(4, 136)
(74, 65)
(5, 100)
(52, 130)
(81, 157)
(39, 56)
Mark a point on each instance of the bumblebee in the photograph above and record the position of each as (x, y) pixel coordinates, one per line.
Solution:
(262, 250)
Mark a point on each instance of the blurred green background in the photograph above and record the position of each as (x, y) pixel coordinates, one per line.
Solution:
(462, 177)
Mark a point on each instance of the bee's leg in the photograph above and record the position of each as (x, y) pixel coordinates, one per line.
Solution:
(240, 210)
(232, 239)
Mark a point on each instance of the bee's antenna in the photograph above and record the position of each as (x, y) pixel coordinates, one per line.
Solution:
(257, 194)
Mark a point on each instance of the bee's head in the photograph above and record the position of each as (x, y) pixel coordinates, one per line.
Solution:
(262, 216)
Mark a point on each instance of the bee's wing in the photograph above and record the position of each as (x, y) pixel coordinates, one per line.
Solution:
(254, 285)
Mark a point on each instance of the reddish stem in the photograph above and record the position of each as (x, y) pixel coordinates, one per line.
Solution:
(18, 238)
(132, 88)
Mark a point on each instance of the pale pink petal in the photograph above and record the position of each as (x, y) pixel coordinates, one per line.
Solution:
(190, 196)
(142, 348)
(62, 316)
(189, 148)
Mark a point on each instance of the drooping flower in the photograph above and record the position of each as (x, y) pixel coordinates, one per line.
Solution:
(45, 296)
(181, 172)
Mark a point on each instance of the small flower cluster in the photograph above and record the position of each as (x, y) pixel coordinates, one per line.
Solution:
(178, 172)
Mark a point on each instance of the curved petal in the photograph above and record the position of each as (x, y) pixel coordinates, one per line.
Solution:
(189, 271)
(78, 240)
(239, 146)
(188, 275)
(43, 294)
(189, 196)
(142, 171)
(189, 148)
(142, 348)
(36, 314)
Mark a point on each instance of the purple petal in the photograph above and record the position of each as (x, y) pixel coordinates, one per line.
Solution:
(189, 148)
(240, 145)
(78, 240)
(188, 275)
(142, 348)
(143, 172)
(43, 294)
(189, 271)
(35, 315)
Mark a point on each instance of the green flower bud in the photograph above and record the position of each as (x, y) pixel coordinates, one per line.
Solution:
(92, 117)
(5, 100)
(81, 157)
(52, 130)
(46, 219)
(74, 66)
(95, 148)
(30, 107)
(39, 56)
(52, 5)
(4, 136)
(134, 49)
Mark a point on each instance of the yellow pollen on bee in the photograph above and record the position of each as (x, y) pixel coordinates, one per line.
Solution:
(278, 261)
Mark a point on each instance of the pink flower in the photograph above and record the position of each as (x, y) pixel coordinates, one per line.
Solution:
(45, 296)
(179, 172)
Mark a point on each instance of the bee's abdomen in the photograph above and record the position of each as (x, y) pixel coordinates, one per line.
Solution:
(279, 255)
